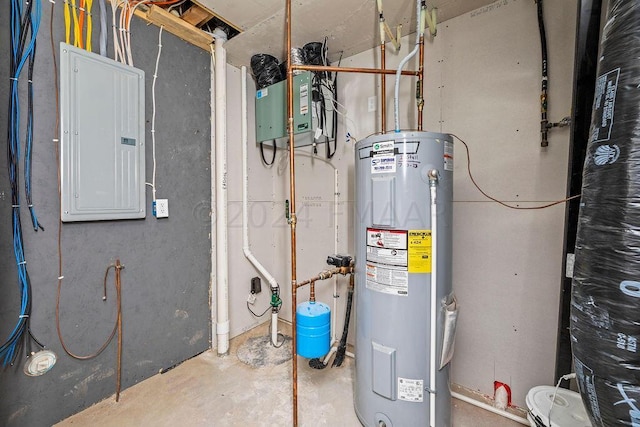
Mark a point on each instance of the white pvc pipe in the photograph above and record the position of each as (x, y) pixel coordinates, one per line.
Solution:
(490, 408)
(396, 98)
(246, 247)
(221, 246)
(434, 303)
(334, 332)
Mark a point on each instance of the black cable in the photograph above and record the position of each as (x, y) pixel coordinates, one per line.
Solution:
(29, 144)
(258, 315)
(273, 157)
(276, 308)
(545, 80)
(24, 24)
(342, 347)
(543, 41)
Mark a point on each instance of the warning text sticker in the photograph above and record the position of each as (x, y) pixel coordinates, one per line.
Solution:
(387, 261)
(419, 251)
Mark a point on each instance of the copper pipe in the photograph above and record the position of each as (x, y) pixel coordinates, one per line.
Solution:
(420, 88)
(350, 70)
(117, 326)
(292, 217)
(383, 88)
(119, 360)
(327, 274)
(292, 182)
(312, 292)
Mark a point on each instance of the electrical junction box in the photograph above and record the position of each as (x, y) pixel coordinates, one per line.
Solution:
(102, 150)
(271, 113)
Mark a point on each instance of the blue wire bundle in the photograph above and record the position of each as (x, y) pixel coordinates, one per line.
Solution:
(24, 24)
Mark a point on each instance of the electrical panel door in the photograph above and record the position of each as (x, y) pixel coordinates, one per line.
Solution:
(102, 137)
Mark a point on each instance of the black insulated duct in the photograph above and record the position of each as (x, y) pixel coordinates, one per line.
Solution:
(605, 303)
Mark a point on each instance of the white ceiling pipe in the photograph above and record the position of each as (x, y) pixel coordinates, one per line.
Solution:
(246, 248)
(221, 245)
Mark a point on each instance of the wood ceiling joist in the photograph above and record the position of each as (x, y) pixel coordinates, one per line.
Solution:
(176, 26)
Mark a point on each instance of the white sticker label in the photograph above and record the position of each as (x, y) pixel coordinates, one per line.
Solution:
(383, 163)
(586, 381)
(262, 93)
(604, 104)
(388, 279)
(397, 257)
(387, 261)
(304, 99)
(448, 156)
(410, 390)
(386, 147)
(390, 239)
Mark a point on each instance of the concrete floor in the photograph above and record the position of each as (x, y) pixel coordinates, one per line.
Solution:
(209, 390)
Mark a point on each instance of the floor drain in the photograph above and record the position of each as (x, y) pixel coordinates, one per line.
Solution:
(259, 352)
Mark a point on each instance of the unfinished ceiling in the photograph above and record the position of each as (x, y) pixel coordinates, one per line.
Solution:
(351, 26)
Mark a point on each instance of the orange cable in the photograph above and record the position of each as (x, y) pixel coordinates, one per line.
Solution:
(81, 22)
(557, 202)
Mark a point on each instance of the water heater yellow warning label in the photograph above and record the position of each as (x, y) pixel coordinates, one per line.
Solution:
(419, 245)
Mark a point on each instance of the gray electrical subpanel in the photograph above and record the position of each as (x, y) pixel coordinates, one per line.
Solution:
(102, 152)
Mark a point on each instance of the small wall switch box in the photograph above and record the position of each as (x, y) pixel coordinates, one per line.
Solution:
(256, 286)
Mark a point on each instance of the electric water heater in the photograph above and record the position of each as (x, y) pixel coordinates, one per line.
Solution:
(403, 225)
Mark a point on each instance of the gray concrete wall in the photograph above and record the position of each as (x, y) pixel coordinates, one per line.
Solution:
(165, 285)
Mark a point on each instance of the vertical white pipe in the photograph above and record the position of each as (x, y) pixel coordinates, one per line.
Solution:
(396, 98)
(222, 262)
(246, 248)
(274, 328)
(334, 332)
(433, 180)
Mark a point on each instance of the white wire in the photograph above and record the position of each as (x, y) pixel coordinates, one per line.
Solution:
(553, 400)
(170, 8)
(128, 29)
(124, 7)
(346, 117)
(117, 51)
(153, 115)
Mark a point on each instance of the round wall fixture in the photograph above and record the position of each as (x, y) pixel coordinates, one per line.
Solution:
(40, 363)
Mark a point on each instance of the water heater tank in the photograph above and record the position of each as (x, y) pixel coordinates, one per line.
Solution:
(394, 251)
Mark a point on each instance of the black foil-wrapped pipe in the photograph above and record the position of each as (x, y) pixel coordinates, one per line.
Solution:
(605, 299)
